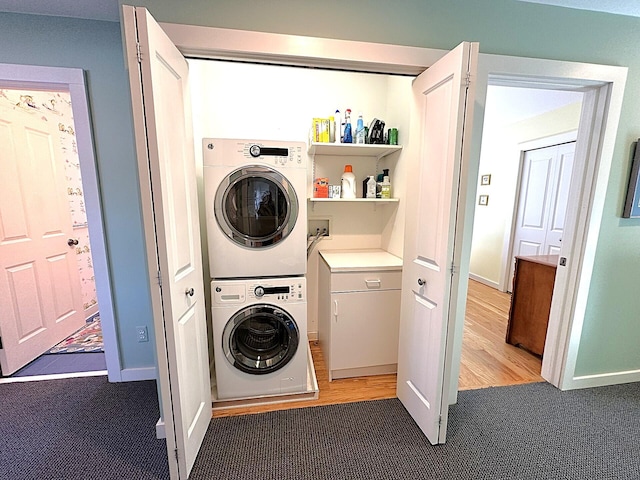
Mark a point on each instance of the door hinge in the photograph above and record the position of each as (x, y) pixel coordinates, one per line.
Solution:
(440, 420)
(176, 452)
(467, 80)
(453, 269)
(138, 52)
(159, 278)
(1, 343)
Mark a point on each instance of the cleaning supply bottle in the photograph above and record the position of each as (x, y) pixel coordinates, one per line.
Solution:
(339, 132)
(348, 183)
(347, 127)
(385, 186)
(360, 130)
(369, 187)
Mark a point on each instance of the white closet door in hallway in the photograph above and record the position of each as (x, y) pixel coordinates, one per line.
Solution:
(40, 290)
(542, 202)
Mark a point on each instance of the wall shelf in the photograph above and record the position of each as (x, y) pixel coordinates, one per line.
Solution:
(352, 150)
(356, 200)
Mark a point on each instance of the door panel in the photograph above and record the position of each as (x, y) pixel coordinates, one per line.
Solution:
(40, 290)
(542, 201)
(560, 198)
(164, 142)
(442, 108)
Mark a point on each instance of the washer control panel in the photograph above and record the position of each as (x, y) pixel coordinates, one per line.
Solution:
(271, 290)
(293, 290)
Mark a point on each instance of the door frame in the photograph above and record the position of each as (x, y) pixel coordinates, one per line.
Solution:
(603, 86)
(73, 81)
(510, 230)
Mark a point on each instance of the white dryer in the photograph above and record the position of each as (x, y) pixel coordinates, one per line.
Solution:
(260, 337)
(255, 194)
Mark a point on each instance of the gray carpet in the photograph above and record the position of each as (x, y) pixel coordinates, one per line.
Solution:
(90, 429)
(81, 428)
(522, 432)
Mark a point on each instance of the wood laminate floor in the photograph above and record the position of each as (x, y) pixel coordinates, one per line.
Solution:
(487, 360)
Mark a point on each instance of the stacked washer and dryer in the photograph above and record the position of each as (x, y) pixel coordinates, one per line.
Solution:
(255, 193)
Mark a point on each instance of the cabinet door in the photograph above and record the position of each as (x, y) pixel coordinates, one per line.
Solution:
(364, 329)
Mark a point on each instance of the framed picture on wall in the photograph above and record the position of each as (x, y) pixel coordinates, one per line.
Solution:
(632, 202)
(485, 180)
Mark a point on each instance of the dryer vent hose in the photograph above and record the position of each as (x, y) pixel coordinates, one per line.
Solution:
(313, 239)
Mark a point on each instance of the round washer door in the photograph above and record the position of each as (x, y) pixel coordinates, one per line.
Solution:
(260, 339)
(256, 206)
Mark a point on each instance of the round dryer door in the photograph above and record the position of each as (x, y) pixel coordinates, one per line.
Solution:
(260, 339)
(256, 206)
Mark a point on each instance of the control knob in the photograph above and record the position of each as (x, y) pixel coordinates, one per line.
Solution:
(259, 291)
(254, 150)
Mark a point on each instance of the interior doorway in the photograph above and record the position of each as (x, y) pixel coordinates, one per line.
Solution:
(45, 115)
(516, 120)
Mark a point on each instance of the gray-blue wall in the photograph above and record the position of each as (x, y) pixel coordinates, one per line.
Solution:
(96, 47)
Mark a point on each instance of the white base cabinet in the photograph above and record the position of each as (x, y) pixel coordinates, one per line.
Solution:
(358, 314)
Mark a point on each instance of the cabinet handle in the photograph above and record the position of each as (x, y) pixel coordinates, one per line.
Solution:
(373, 283)
(335, 309)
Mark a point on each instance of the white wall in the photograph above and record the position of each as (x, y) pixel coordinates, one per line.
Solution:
(239, 100)
(504, 131)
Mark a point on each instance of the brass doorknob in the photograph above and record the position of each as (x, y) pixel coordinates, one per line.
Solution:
(189, 291)
(72, 241)
(422, 282)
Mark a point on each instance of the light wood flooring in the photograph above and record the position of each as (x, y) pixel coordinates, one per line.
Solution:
(487, 360)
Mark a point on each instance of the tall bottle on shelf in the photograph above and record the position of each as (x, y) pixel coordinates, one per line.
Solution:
(360, 137)
(348, 138)
(385, 186)
(338, 127)
(348, 183)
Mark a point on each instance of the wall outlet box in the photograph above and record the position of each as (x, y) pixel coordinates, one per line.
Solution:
(142, 334)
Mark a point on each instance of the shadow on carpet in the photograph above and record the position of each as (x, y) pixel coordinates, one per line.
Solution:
(522, 432)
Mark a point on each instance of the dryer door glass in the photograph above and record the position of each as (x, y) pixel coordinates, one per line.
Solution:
(260, 339)
(256, 206)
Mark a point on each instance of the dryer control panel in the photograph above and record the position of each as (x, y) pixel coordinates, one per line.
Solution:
(276, 153)
(283, 155)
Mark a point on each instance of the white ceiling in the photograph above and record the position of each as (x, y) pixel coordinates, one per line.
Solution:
(507, 105)
(90, 9)
(621, 7)
(108, 9)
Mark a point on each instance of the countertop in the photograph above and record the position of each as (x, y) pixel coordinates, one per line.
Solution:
(551, 260)
(360, 260)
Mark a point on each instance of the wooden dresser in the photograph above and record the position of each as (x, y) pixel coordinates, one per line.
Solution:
(533, 282)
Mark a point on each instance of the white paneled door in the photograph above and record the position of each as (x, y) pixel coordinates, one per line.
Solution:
(443, 105)
(158, 75)
(40, 290)
(542, 202)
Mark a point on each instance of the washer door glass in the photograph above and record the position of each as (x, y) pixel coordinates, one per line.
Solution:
(260, 339)
(256, 206)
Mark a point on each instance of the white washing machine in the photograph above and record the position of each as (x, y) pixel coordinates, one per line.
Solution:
(255, 193)
(260, 337)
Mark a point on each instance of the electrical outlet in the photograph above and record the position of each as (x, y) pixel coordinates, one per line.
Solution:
(142, 334)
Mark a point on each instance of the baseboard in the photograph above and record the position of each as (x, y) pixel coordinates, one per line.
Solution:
(160, 430)
(136, 374)
(312, 336)
(603, 380)
(485, 281)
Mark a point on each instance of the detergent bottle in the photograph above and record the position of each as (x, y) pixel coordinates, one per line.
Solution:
(348, 182)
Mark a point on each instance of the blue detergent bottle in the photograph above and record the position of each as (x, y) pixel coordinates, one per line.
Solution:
(348, 138)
